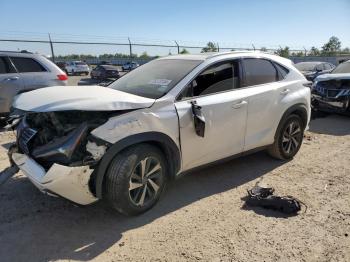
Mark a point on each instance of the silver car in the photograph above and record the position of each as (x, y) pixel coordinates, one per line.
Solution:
(21, 72)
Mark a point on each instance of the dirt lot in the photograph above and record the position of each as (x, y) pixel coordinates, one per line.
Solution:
(201, 216)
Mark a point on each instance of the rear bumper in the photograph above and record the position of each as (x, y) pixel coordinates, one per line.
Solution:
(71, 183)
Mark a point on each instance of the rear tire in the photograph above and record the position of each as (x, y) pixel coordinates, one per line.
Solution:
(288, 139)
(135, 179)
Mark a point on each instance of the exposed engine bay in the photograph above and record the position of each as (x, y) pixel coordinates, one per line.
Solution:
(60, 137)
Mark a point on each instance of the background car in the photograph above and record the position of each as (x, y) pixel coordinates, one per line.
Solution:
(104, 72)
(130, 66)
(77, 67)
(22, 72)
(61, 65)
(313, 69)
(331, 92)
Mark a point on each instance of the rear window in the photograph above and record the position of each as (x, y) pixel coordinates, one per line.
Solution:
(26, 65)
(5, 66)
(259, 71)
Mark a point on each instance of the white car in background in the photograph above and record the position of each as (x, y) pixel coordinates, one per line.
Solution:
(122, 143)
(77, 67)
(128, 66)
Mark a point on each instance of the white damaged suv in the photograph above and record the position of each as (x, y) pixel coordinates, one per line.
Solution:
(124, 142)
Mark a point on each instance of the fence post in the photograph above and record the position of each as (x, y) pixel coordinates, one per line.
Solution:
(130, 47)
(178, 47)
(253, 47)
(217, 44)
(52, 53)
(305, 51)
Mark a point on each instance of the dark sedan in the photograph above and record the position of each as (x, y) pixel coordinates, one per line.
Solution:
(105, 72)
(313, 69)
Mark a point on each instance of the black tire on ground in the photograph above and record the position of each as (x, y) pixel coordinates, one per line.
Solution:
(288, 138)
(126, 189)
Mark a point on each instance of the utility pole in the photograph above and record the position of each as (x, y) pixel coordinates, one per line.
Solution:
(178, 47)
(130, 47)
(52, 53)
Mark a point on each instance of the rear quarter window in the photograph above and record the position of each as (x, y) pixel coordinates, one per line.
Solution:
(27, 65)
(259, 71)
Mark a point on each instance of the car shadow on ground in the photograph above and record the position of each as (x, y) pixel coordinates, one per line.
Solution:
(336, 125)
(57, 229)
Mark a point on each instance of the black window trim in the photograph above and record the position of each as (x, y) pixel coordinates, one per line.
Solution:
(238, 59)
(33, 58)
(263, 58)
(241, 75)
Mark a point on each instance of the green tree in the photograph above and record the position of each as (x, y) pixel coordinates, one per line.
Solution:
(144, 55)
(332, 46)
(314, 51)
(211, 47)
(346, 50)
(184, 51)
(284, 52)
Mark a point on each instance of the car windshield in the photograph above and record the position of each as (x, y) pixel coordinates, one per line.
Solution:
(306, 66)
(156, 78)
(342, 68)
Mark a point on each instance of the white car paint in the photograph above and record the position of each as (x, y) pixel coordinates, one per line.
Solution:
(68, 182)
(90, 98)
(236, 120)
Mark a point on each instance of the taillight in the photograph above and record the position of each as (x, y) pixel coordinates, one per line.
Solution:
(62, 77)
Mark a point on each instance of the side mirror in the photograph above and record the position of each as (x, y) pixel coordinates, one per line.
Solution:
(198, 119)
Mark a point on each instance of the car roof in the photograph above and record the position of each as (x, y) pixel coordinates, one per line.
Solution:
(21, 53)
(232, 54)
(311, 62)
(109, 67)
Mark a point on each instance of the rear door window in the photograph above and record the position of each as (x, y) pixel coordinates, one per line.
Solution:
(259, 71)
(26, 65)
(5, 66)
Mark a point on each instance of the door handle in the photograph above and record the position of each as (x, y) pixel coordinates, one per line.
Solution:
(239, 104)
(285, 91)
(11, 78)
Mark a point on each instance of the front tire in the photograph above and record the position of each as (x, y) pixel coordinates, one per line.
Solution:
(135, 179)
(288, 139)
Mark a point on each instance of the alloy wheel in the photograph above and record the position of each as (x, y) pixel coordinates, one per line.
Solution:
(291, 137)
(146, 181)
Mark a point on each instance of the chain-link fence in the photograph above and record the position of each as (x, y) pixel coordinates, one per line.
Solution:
(118, 50)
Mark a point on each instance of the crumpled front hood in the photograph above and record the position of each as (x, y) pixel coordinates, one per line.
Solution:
(326, 77)
(87, 98)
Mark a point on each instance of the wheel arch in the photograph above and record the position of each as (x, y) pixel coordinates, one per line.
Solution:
(160, 140)
(297, 109)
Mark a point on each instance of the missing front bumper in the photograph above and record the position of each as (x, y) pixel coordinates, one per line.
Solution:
(71, 183)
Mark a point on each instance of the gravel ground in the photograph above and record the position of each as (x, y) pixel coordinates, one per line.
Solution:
(201, 216)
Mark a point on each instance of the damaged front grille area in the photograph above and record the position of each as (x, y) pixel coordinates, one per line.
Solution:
(333, 88)
(59, 137)
(24, 137)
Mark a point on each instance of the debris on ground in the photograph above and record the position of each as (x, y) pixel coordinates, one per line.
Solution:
(263, 197)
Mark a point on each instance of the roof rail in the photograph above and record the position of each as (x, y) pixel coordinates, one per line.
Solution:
(22, 51)
(214, 54)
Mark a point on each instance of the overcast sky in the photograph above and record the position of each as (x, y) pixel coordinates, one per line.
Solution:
(240, 23)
